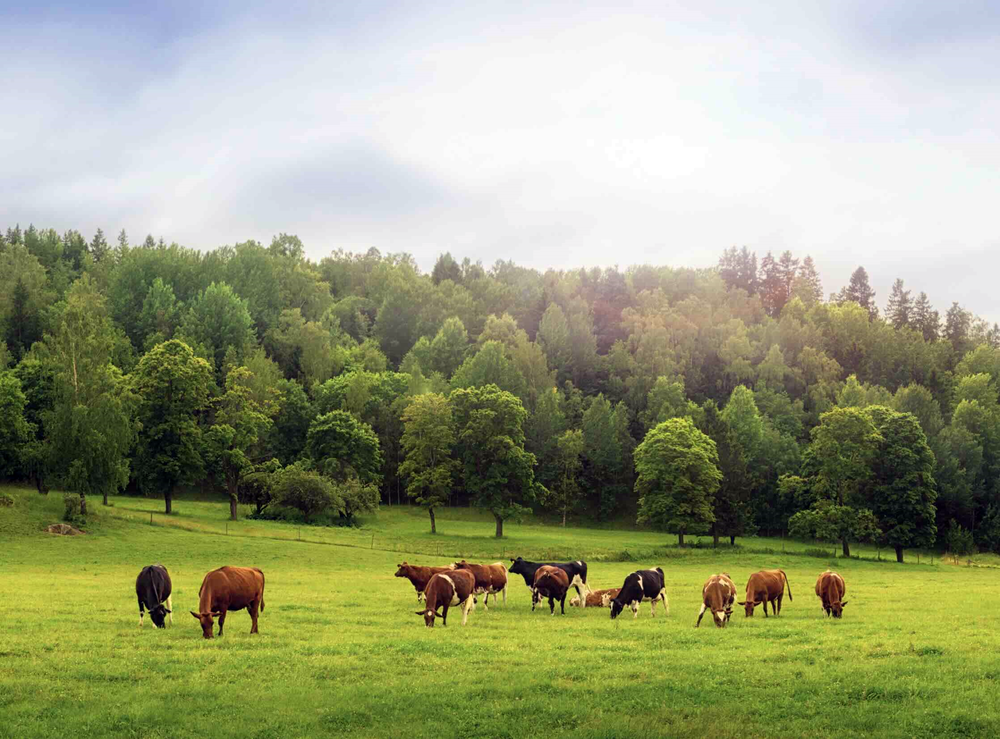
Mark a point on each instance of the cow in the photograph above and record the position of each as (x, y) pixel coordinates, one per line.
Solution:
(552, 583)
(576, 571)
(830, 588)
(152, 589)
(596, 598)
(446, 589)
(718, 595)
(229, 589)
(420, 576)
(766, 586)
(490, 578)
(641, 584)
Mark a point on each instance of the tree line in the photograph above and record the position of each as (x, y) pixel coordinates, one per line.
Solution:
(726, 400)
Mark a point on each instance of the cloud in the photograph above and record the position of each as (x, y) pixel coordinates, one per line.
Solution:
(555, 134)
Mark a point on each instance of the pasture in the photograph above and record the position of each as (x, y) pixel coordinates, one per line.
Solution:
(341, 648)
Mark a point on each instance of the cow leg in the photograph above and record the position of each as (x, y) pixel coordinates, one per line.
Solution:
(252, 608)
(486, 600)
(222, 620)
(778, 611)
(142, 613)
(552, 606)
(444, 613)
(700, 614)
(504, 594)
(170, 608)
(466, 607)
(666, 602)
(635, 609)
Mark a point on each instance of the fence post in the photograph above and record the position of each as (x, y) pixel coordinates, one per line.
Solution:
(300, 533)
(150, 518)
(227, 528)
(373, 541)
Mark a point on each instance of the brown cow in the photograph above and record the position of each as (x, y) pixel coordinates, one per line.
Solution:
(595, 598)
(489, 579)
(420, 576)
(718, 595)
(831, 588)
(446, 589)
(552, 583)
(766, 586)
(229, 589)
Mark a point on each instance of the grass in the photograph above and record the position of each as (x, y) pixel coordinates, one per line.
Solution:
(341, 648)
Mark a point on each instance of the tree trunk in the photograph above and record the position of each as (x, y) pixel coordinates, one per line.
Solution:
(168, 498)
(899, 554)
(499, 526)
(83, 505)
(564, 518)
(847, 547)
(732, 541)
(715, 537)
(680, 538)
(433, 525)
(106, 497)
(232, 508)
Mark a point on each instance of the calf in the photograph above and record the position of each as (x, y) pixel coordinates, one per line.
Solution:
(718, 595)
(489, 579)
(229, 589)
(420, 576)
(552, 583)
(152, 589)
(641, 584)
(766, 586)
(448, 589)
(575, 571)
(831, 588)
(596, 598)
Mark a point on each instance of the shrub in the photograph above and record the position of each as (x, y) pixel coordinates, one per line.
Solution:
(71, 509)
(6, 501)
(959, 540)
(305, 491)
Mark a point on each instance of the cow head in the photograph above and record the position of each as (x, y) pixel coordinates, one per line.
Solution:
(158, 615)
(720, 618)
(429, 617)
(749, 605)
(403, 569)
(207, 621)
(575, 600)
(463, 565)
(617, 606)
(837, 608)
(518, 567)
(606, 600)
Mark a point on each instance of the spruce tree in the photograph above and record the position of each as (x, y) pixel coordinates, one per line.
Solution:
(899, 309)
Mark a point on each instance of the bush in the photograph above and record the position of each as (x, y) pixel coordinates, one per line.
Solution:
(6, 501)
(959, 540)
(71, 509)
(306, 491)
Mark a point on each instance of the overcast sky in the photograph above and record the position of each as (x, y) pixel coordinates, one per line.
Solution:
(552, 134)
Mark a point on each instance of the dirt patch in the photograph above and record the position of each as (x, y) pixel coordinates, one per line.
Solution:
(63, 529)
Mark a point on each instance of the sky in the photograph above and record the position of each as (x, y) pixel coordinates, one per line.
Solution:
(553, 134)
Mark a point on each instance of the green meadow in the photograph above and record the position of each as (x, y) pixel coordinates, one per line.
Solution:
(341, 648)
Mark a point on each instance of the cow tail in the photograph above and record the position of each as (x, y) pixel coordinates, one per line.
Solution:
(787, 585)
(262, 591)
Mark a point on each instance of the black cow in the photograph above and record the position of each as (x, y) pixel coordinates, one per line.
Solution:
(641, 584)
(575, 571)
(152, 588)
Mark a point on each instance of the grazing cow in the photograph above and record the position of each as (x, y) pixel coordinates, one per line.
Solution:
(489, 579)
(420, 576)
(448, 589)
(597, 598)
(718, 595)
(831, 588)
(576, 571)
(152, 589)
(641, 584)
(229, 589)
(766, 586)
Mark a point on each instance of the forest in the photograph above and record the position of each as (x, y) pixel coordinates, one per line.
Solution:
(729, 400)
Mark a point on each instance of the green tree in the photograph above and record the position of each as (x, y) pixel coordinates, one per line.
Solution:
(498, 473)
(15, 432)
(732, 508)
(91, 427)
(342, 447)
(160, 314)
(491, 366)
(447, 350)
(604, 458)
(903, 489)
(219, 324)
(843, 448)
(826, 521)
(173, 386)
(678, 476)
(565, 494)
(240, 421)
(428, 439)
(306, 491)
(899, 310)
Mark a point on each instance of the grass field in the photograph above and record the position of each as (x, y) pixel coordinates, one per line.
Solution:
(341, 648)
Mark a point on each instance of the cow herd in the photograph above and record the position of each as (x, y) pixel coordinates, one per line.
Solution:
(222, 590)
(459, 583)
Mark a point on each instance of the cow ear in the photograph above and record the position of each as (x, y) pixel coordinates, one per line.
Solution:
(843, 604)
(420, 613)
(741, 602)
(168, 610)
(216, 614)
(196, 615)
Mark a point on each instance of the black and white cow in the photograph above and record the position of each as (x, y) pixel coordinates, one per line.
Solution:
(575, 571)
(641, 584)
(152, 588)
